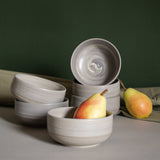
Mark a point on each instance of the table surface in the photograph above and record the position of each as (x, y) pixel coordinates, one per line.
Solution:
(131, 139)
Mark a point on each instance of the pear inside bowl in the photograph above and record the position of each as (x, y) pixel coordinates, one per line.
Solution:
(78, 132)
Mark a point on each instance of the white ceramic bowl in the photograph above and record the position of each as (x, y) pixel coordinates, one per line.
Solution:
(37, 109)
(78, 132)
(30, 88)
(87, 90)
(113, 103)
(35, 113)
(96, 62)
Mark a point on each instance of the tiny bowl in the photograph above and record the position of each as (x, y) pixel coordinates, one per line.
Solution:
(35, 113)
(30, 88)
(78, 132)
(113, 103)
(96, 62)
(87, 90)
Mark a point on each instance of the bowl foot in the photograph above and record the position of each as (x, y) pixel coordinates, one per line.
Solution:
(87, 146)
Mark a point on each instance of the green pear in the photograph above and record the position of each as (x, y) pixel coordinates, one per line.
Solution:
(93, 107)
(137, 103)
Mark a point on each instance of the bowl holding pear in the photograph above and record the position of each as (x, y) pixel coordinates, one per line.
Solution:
(81, 133)
(86, 126)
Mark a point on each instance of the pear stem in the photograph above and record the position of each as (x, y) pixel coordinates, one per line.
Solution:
(106, 90)
(123, 85)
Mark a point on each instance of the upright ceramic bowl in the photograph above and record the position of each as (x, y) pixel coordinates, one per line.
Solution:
(113, 103)
(96, 62)
(35, 113)
(87, 90)
(30, 88)
(37, 109)
(78, 132)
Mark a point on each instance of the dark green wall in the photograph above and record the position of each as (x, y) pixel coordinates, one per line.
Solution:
(39, 36)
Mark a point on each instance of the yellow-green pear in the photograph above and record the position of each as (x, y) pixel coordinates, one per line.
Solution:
(137, 103)
(93, 107)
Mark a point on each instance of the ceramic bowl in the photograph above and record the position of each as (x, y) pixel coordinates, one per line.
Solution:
(87, 90)
(37, 109)
(30, 88)
(78, 132)
(35, 113)
(113, 103)
(96, 62)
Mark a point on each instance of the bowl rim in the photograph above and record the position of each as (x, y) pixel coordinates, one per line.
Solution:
(42, 104)
(114, 83)
(75, 119)
(75, 53)
(19, 75)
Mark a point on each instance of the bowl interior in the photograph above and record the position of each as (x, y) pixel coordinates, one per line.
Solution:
(68, 112)
(95, 62)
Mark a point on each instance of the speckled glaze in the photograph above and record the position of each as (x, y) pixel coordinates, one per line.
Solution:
(78, 132)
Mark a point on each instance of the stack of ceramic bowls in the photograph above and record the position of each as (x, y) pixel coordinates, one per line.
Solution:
(35, 96)
(96, 64)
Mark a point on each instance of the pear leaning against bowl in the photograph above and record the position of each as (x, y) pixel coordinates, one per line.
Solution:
(138, 104)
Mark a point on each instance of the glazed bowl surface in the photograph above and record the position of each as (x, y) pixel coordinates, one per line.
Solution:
(95, 61)
(29, 88)
(78, 132)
